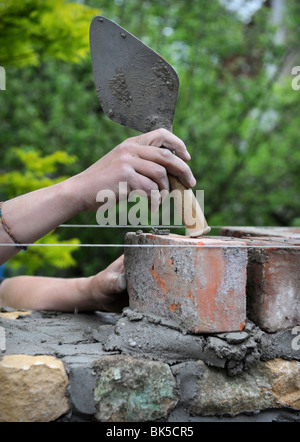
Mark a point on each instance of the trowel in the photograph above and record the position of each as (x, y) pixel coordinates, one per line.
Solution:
(139, 89)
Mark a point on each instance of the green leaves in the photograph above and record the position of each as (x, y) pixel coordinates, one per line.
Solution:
(33, 30)
(40, 260)
(34, 172)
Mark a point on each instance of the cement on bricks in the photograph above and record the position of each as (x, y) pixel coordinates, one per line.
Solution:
(199, 283)
(278, 232)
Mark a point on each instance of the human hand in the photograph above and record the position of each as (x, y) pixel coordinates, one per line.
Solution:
(107, 290)
(141, 162)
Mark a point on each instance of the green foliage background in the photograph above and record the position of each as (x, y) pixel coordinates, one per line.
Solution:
(237, 111)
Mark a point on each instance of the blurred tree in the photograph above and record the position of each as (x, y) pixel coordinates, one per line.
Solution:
(32, 173)
(33, 30)
(236, 111)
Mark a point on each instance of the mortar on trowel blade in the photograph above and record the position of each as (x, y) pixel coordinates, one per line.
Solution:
(199, 283)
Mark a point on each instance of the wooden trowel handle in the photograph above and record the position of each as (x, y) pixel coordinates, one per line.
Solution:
(189, 208)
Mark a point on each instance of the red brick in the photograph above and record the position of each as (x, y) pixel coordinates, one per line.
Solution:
(273, 287)
(199, 283)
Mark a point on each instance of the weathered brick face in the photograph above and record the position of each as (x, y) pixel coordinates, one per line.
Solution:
(273, 287)
(198, 283)
(273, 275)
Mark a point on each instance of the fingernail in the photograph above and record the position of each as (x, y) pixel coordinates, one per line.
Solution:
(122, 283)
(193, 182)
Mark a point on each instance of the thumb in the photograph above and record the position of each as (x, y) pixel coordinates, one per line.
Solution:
(122, 283)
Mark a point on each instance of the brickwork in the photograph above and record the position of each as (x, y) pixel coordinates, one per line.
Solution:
(203, 288)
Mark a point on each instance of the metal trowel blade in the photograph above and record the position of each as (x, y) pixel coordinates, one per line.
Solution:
(136, 86)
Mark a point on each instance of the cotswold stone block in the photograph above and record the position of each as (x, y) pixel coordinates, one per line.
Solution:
(133, 390)
(199, 283)
(273, 384)
(285, 382)
(32, 389)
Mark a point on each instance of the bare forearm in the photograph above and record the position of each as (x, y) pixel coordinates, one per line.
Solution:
(105, 291)
(35, 214)
(39, 293)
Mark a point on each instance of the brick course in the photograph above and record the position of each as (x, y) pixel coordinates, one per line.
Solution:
(199, 283)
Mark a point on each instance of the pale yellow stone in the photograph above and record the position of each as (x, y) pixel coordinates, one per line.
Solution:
(15, 315)
(32, 389)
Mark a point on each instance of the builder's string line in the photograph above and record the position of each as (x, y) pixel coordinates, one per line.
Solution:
(200, 245)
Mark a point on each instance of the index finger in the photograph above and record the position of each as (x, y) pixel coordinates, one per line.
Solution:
(164, 138)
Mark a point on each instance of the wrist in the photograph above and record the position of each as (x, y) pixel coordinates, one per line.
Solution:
(84, 189)
(87, 292)
(72, 194)
(33, 215)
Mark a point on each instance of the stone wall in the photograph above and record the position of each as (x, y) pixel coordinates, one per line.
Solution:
(142, 366)
(97, 368)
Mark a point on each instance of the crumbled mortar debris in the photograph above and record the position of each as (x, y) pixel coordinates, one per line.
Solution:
(156, 231)
(153, 337)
